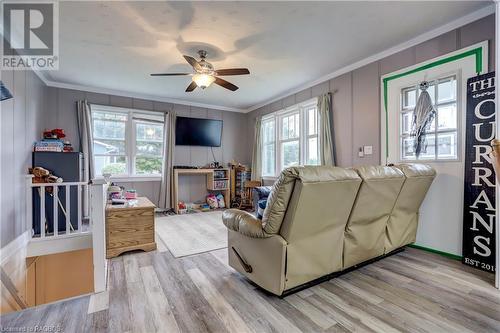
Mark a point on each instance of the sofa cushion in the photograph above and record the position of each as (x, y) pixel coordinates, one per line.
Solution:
(261, 206)
(402, 225)
(282, 190)
(365, 229)
(263, 192)
(260, 193)
(243, 223)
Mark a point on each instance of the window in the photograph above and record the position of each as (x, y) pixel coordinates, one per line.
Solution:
(127, 142)
(443, 93)
(290, 137)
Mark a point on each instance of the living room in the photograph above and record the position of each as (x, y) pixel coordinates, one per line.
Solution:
(187, 167)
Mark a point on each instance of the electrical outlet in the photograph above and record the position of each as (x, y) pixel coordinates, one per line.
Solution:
(360, 152)
(368, 150)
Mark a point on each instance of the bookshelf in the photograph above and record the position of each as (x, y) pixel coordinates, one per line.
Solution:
(218, 180)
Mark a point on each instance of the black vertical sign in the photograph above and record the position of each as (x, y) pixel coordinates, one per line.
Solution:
(478, 249)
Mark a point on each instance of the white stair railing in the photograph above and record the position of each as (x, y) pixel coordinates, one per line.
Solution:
(88, 232)
(44, 221)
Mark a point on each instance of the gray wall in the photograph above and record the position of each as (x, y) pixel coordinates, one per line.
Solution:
(21, 125)
(356, 101)
(61, 112)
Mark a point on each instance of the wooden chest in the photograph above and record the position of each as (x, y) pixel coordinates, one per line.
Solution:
(130, 227)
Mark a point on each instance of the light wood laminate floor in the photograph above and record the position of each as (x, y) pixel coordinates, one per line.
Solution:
(413, 291)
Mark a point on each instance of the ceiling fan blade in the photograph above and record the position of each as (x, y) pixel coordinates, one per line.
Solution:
(233, 71)
(192, 61)
(225, 84)
(191, 87)
(169, 74)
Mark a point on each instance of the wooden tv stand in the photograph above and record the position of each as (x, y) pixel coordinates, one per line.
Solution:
(211, 179)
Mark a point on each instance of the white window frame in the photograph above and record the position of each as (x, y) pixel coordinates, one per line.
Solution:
(436, 131)
(130, 141)
(277, 116)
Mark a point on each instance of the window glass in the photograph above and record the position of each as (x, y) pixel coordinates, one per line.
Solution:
(444, 127)
(447, 145)
(109, 147)
(409, 98)
(447, 116)
(312, 151)
(447, 90)
(407, 147)
(290, 127)
(312, 122)
(432, 93)
(127, 142)
(290, 138)
(406, 120)
(268, 166)
(148, 165)
(268, 149)
(428, 150)
(290, 153)
(268, 131)
(114, 165)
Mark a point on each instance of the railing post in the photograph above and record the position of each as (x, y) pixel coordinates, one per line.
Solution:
(97, 214)
(29, 204)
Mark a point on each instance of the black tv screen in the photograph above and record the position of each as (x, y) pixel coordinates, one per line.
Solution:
(198, 132)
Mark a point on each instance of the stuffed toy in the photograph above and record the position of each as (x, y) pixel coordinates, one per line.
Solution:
(212, 201)
(43, 175)
(220, 201)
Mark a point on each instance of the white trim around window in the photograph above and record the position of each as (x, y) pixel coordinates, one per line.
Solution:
(290, 128)
(128, 152)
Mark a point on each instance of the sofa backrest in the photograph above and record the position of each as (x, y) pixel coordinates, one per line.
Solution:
(333, 218)
(402, 225)
(365, 231)
(314, 222)
(277, 201)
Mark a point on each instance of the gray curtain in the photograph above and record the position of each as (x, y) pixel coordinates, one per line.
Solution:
(166, 196)
(257, 152)
(84, 118)
(327, 148)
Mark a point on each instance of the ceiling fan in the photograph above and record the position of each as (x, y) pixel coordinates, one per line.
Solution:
(206, 74)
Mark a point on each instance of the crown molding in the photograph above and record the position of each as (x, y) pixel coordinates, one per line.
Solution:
(464, 20)
(129, 94)
(460, 22)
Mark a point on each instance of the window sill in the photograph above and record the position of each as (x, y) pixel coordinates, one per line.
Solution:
(269, 178)
(133, 179)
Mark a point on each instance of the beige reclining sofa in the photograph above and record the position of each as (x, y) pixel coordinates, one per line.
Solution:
(321, 220)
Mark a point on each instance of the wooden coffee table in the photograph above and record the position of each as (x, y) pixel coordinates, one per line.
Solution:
(130, 227)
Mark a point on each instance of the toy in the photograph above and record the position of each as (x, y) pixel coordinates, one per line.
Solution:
(67, 147)
(115, 192)
(205, 207)
(220, 201)
(130, 194)
(42, 175)
(212, 201)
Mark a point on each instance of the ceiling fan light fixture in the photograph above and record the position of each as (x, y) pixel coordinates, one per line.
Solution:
(203, 80)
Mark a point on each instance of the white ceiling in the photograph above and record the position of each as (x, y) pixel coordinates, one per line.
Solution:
(116, 45)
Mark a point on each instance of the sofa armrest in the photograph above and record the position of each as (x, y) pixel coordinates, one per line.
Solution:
(243, 223)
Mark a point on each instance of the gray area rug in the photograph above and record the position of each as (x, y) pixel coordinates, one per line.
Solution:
(190, 234)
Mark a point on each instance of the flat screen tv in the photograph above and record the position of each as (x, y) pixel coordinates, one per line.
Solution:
(198, 132)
